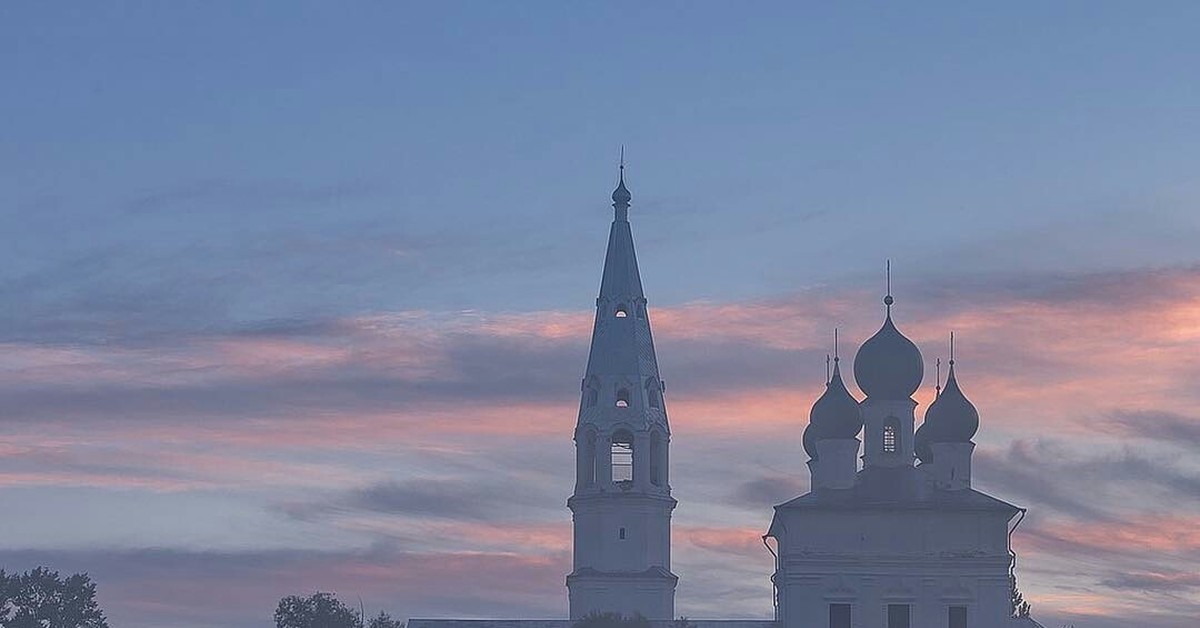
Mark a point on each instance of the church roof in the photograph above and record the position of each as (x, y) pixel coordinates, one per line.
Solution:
(858, 499)
(621, 277)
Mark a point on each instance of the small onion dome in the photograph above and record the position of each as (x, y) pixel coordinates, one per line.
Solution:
(810, 440)
(951, 418)
(929, 433)
(834, 415)
(956, 418)
(621, 195)
(889, 365)
(921, 441)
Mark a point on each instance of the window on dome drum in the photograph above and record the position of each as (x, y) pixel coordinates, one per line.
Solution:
(898, 616)
(839, 616)
(622, 457)
(623, 398)
(958, 617)
(891, 436)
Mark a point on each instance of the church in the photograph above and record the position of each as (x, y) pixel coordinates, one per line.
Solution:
(891, 534)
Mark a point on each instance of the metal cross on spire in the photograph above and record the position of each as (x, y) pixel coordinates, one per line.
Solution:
(888, 300)
(938, 380)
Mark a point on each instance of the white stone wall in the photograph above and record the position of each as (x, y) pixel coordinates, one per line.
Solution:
(927, 559)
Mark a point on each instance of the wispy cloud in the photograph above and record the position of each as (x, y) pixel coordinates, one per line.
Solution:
(403, 428)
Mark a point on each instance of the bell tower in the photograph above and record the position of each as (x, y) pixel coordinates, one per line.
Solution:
(622, 502)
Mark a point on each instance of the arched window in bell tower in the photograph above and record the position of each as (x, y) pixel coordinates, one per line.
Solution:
(622, 456)
(588, 464)
(623, 398)
(653, 394)
(891, 435)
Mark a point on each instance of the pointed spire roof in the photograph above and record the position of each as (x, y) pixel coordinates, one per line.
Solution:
(621, 276)
(622, 359)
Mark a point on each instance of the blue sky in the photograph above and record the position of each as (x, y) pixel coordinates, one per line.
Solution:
(232, 232)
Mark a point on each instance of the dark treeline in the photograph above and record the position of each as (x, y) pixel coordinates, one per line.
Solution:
(40, 598)
(324, 610)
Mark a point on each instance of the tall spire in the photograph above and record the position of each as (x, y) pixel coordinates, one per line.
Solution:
(622, 502)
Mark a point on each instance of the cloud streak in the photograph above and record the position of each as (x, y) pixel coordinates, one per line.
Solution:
(446, 435)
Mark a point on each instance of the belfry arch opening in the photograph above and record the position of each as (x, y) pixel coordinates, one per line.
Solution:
(622, 456)
(623, 398)
(656, 459)
(653, 393)
(587, 465)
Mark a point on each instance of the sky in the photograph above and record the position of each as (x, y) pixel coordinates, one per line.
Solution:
(294, 296)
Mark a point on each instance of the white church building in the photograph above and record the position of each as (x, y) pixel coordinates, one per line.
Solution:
(891, 534)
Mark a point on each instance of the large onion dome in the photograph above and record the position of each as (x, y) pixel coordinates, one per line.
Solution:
(888, 364)
(834, 415)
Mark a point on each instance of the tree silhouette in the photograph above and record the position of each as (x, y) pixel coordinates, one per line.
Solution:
(383, 620)
(1020, 608)
(611, 620)
(40, 598)
(682, 622)
(319, 610)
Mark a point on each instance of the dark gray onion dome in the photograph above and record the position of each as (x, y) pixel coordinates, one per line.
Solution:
(834, 415)
(921, 442)
(837, 410)
(929, 433)
(951, 418)
(810, 440)
(621, 195)
(889, 365)
(956, 418)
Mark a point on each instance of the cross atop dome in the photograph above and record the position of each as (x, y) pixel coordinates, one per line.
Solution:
(621, 195)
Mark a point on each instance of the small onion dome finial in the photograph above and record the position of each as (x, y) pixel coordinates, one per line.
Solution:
(621, 195)
(834, 415)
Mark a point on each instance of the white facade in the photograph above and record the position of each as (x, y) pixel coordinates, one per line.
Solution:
(890, 544)
(622, 503)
